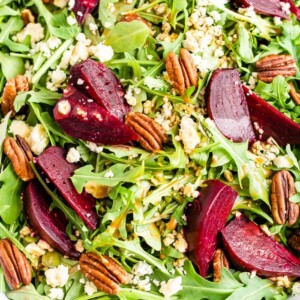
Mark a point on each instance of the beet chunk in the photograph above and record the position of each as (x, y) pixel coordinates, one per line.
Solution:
(268, 8)
(227, 105)
(82, 118)
(83, 7)
(45, 222)
(206, 216)
(99, 83)
(250, 249)
(272, 122)
(53, 163)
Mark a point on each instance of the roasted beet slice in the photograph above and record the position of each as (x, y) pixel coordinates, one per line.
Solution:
(250, 249)
(100, 83)
(293, 8)
(206, 216)
(53, 163)
(270, 121)
(268, 8)
(82, 118)
(83, 7)
(227, 106)
(45, 222)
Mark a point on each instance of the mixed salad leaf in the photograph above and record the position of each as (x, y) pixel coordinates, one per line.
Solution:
(141, 197)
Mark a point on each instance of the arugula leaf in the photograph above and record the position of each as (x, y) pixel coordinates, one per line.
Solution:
(7, 11)
(74, 287)
(11, 66)
(255, 289)
(106, 16)
(26, 292)
(3, 130)
(177, 7)
(83, 175)
(10, 195)
(127, 36)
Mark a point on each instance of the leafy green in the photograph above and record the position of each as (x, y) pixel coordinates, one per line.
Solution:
(106, 15)
(11, 66)
(10, 195)
(3, 129)
(127, 36)
(177, 7)
(26, 292)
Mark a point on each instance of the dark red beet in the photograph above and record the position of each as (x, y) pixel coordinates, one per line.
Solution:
(45, 222)
(227, 106)
(273, 123)
(294, 9)
(206, 216)
(53, 163)
(100, 84)
(251, 249)
(83, 7)
(268, 8)
(88, 121)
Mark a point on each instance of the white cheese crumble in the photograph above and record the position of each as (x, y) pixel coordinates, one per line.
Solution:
(94, 147)
(56, 293)
(60, 3)
(189, 191)
(64, 107)
(20, 128)
(57, 276)
(171, 287)
(44, 245)
(34, 30)
(71, 4)
(283, 162)
(296, 289)
(56, 79)
(109, 174)
(90, 288)
(71, 20)
(131, 94)
(102, 52)
(25, 231)
(34, 250)
(188, 134)
(93, 28)
(79, 246)
(73, 155)
(142, 268)
(38, 139)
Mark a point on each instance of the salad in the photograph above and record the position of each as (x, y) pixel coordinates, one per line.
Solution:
(149, 149)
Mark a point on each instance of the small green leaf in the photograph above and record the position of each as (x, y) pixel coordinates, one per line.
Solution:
(26, 292)
(11, 66)
(127, 36)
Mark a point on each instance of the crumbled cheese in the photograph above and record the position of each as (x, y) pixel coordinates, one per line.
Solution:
(94, 147)
(141, 269)
(285, 6)
(34, 250)
(283, 162)
(180, 243)
(144, 284)
(296, 289)
(189, 191)
(82, 280)
(131, 94)
(38, 139)
(20, 128)
(73, 155)
(44, 245)
(57, 276)
(109, 174)
(56, 293)
(71, 4)
(34, 30)
(171, 287)
(79, 246)
(64, 107)
(102, 52)
(188, 134)
(56, 79)
(90, 288)
(93, 28)
(53, 42)
(169, 239)
(25, 231)
(71, 20)
(60, 3)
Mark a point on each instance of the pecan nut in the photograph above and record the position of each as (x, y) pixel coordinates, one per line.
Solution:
(182, 71)
(103, 271)
(219, 261)
(12, 88)
(273, 65)
(19, 154)
(135, 17)
(151, 134)
(283, 187)
(27, 16)
(15, 266)
(294, 94)
(294, 241)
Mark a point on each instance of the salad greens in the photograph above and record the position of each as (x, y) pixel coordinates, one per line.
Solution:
(141, 196)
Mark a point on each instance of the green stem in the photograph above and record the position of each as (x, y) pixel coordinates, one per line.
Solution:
(50, 62)
(137, 294)
(96, 295)
(22, 55)
(140, 62)
(162, 94)
(142, 8)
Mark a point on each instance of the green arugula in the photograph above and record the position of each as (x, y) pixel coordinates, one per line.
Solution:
(26, 292)
(11, 66)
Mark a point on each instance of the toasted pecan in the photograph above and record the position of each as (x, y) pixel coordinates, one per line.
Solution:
(219, 261)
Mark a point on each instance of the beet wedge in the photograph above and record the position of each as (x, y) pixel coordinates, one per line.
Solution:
(227, 106)
(53, 163)
(250, 249)
(99, 83)
(84, 119)
(46, 223)
(268, 8)
(83, 7)
(271, 121)
(206, 216)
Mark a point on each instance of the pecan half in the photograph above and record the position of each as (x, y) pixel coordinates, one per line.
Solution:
(294, 94)
(12, 88)
(151, 134)
(19, 154)
(181, 70)
(103, 271)
(283, 187)
(14, 264)
(27, 16)
(134, 17)
(273, 65)
(294, 240)
(219, 261)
